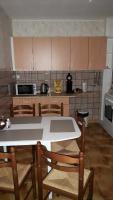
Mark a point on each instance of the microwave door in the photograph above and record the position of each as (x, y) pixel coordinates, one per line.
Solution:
(25, 89)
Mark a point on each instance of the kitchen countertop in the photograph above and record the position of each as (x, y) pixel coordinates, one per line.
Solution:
(63, 94)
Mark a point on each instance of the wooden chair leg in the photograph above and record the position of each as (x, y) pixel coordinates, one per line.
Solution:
(33, 171)
(34, 182)
(90, 195)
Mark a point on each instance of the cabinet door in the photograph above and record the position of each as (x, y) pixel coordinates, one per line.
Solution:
(97, 52)
(42, 53)
(60, 53)
(23, 56)
(79, 53)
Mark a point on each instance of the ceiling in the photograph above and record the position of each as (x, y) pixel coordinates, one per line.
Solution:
(57, 9)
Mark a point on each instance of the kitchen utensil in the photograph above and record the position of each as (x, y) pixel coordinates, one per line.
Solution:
(2, 123)
(44, 88)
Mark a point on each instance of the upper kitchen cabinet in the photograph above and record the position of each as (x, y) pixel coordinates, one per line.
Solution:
(97, 52)
(42, 53)
(79, 53)
(60, 53)
(23, 55)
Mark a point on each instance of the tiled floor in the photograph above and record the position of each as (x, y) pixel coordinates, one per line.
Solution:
(99, 155)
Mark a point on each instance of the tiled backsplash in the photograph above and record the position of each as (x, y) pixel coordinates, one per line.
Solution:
(5, 92)
(92, 78)
(85, 101)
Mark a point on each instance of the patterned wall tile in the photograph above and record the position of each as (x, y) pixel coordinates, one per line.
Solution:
(59, 27)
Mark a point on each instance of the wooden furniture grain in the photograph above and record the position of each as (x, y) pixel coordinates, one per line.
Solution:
(42, 53)
(79, 53)
(74, 146)
(50, 109)
(23, 110)
(81, 124)
(67, 176)
(23, 54)
(97, 53)
(20, 110)
(43, 100)
(13, 175)
(57, 100)
(60, 53)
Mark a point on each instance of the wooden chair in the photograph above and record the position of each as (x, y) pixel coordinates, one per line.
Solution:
(67, 176)
(14, 175)
(69, 147)
(50, 109)
(73, 146)
(23, 153)
(21, 110)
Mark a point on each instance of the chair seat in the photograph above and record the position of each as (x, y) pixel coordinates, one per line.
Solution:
(6, 178)
(67, 147)
(66, 181)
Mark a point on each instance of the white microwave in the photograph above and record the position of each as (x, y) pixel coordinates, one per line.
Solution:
(26, 89)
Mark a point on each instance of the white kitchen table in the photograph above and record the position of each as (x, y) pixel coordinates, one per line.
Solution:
(30, 130)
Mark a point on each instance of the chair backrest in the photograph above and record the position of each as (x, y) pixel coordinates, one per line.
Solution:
(81, 123)
(20, 172)
(62, 163)
(20, 110)
(50, 109)
(9, 160)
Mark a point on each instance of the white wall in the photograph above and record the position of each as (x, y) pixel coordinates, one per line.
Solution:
(106, 85)
(109, 34)
(5, 33)
(109, 27)
(109, 55)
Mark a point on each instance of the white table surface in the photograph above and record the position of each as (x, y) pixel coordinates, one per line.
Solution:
(43, 126)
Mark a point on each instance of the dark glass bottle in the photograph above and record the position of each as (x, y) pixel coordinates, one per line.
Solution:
(69, 76)
(69, 83)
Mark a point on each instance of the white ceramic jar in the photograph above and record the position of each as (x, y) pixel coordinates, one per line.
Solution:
(84, 87)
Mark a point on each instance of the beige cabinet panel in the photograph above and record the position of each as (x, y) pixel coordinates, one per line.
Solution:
(23, 55)
(60, 53)
(42, 53)
(97, 52)
(79, 53)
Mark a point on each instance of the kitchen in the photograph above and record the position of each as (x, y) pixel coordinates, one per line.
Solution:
(53, 28)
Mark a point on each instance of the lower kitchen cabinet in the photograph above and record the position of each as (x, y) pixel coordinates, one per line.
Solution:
(44, 100)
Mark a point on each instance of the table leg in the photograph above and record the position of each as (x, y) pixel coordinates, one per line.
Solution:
(48, 146)
(5, 150)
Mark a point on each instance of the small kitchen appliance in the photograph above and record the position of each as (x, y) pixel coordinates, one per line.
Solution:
(44, 88)
(26, 89)
(69, 83)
